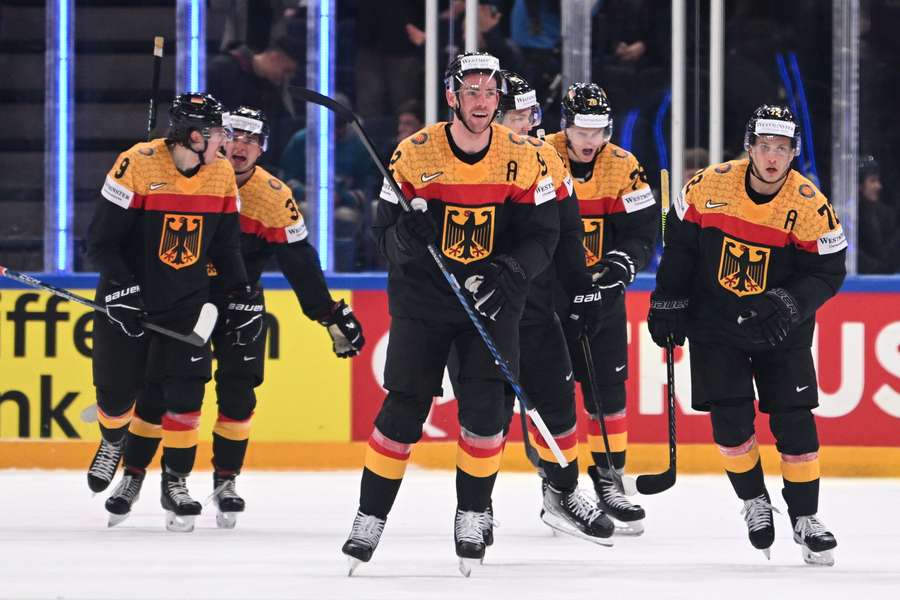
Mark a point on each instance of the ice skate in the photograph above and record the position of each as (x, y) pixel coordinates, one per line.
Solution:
(124, 496)
(181, 509)
(628, 517)
(490, 523)
(760, 527)
(816, 542)
(228, 502)
(364, 537)
(104, 464)
(468, 535)
(575, 513)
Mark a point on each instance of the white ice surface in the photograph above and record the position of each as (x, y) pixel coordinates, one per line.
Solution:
(54, 543)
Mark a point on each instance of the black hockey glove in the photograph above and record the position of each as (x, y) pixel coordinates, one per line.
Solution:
(585, 311)
(614, 272)
(667, 319)
(502, 280)
(768, 318)
(125, 308)
(416, 229)
(244, 313)
(345, 330)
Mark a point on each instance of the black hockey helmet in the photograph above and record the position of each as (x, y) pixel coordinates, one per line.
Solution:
(586, 105)
(193, 111)
(249, 120)
(771, 119)
(473, 62)
(519, 94)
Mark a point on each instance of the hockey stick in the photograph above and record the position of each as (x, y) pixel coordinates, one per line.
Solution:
(625, 483)
(198, 337)
(530, 451)
(659, 482)
(348, 115)
(154, 93)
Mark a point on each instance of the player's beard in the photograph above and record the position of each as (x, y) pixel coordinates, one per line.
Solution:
(468, 122)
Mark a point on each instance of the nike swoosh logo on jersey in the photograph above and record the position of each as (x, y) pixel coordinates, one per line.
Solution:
(800, 389)
(711, 204)
(569, 376)
(196, 358)
(426, 178)
(249, 358)
(619, 368)
(156, 186)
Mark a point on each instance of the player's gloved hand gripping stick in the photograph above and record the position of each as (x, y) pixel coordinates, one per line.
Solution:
(349, 116)
(197, 337)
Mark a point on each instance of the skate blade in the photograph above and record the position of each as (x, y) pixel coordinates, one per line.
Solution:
(629, 528)
(767, 552)
(116, 519)
(563, 526)
(226, 520)
(819, 559)
(354, 563)
(466, 564)
(180, 524)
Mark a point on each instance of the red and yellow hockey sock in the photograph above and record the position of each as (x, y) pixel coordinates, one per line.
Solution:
(744, 468)
(477, 462)
(616, 432)
(113, 427)
(180, 432)
(800, 473)
(143, 441)
(230, 439)
(386, 461)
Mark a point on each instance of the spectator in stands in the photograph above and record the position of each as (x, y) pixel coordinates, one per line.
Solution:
(410, 119)
(243, 77)
(536, 29)
(694, 160)
(354, 182)
(389, 63)
(878, 237)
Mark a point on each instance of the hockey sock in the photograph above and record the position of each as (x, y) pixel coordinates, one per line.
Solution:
(616, 432)
(744, 468)
(801, 483)
(230, 438)
(179, 438)
(113, 427)
(386, 462)
(477, 462)
(143, 441)
(563, 479)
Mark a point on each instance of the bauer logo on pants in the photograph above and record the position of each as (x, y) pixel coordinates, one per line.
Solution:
(593, 240)
(468, 233)
(179, 244)
(743, 267)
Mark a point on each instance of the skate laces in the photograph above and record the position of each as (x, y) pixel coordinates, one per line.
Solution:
(367, 529)
(226, 489)
(758, 513)
(489, 519)
(583, 506)
(177, 488)
(810, 527)
(612, 496)
(470, 525)
(106, 461)
(128, 487)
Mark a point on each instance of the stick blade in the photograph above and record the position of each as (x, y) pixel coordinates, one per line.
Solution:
(206, 322)
(656, 483)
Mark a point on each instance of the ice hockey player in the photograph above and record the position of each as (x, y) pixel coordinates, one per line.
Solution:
(271, 225)
(482, 196)
(169, 207)
(752, 250)
(620, 218)
(545, 366)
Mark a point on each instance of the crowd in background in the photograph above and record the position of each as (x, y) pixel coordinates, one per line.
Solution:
(775, 51)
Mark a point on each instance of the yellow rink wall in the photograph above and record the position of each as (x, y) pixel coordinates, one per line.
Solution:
(315, 410)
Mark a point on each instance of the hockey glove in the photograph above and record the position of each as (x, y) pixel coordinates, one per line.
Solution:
(667, 319)
(345, 331)
(125, 308)
(614, 272)
(502, 281)
(768, 317)
(244, 313)
(416, 229)
(584, 313)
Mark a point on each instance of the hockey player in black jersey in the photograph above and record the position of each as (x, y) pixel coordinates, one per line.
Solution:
(169, 207)
(271, 225)
(752, 250)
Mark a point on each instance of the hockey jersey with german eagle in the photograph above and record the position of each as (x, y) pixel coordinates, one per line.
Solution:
(618, 210)
(159, 228)
(504, 203)
(272, 225)
(722, 247)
